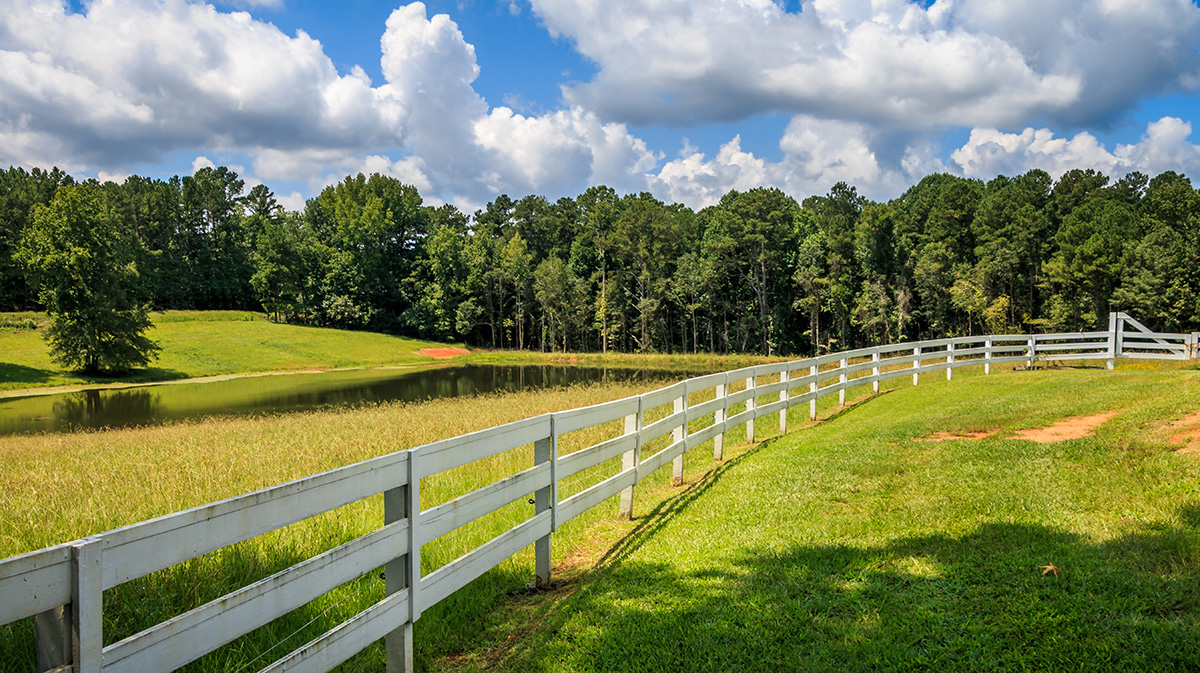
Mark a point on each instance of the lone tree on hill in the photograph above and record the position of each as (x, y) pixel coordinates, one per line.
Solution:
(84, 266)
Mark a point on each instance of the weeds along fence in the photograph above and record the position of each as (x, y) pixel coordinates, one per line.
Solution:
(61, 586)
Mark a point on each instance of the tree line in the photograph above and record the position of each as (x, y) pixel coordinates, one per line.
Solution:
(757, 272)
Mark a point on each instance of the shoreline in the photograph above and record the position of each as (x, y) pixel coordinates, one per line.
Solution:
(213, 378)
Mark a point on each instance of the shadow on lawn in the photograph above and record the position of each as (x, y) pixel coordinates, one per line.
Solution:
(977, 602)
(11, 373)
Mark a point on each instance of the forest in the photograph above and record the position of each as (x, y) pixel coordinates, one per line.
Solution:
(757, 272)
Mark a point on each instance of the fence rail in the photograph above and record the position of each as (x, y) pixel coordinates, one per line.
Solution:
(61, 586)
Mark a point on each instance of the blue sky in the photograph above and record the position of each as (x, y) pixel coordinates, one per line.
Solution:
(684, 98)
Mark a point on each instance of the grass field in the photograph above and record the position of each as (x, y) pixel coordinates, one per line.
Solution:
(216, 343)
(852, 546)
(59, 487)
(208, 343)
(844, 545)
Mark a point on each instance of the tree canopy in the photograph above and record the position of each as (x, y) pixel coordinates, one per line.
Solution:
(759, 271)
(85, 265)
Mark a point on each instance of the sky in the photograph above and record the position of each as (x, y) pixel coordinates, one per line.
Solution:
(686, 99)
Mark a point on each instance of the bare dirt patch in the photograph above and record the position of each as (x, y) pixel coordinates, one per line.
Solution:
(1186, 431)
(1070, 428)
(443, 353)
(949, 436)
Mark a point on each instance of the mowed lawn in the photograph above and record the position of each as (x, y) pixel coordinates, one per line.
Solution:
(850, 545)
(208, 343)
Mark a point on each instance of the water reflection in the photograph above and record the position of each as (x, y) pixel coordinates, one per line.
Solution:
(81, 409)
(282, 394)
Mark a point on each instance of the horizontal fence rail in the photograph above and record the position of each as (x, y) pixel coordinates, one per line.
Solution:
(61, 586)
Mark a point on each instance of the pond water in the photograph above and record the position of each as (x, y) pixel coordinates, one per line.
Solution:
(149, 405)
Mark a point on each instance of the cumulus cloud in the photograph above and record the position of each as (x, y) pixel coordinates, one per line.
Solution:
(868, 83)
(127, 81)
(817, 154)
(1164, 146)
(956, 62)
(474, 153)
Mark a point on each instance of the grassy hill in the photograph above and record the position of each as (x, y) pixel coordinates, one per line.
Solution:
(858, 545)
(877, 539)
(207, 343)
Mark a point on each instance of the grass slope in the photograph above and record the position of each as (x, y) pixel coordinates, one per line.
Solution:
(844, 545)
(850, 546)
(208, 343)
(60, 487)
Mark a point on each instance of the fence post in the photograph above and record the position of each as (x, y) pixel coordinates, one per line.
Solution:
(783, 397)
(678, 435)
(543, 452)
(875, 370)
(87, 612)
(1032, 350)
(629, 460)
(917, 365)
(950, 361)
(812, 389)
(719, 418)
(842, 379)
(987, 356)
(398, 645)
(1112, 340)
(52, 636)
(751, 403)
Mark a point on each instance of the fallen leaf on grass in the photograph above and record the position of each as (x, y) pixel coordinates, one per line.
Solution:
(1049, 568)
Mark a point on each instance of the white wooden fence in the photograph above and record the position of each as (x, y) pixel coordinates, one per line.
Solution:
(61, 586)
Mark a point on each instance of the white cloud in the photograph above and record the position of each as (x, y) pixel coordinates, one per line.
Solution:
(958, 62)
(872, 81)
(127, 81)
(293, 201)
(1163, 147)
(817, 155)
(202, 162)
(559, 152)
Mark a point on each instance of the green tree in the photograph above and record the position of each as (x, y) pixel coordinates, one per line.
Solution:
(836, 216)
(286, 260)
(85, 268)
(20, 193)
(1086, 269)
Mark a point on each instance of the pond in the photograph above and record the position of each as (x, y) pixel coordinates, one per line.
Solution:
(272, 394)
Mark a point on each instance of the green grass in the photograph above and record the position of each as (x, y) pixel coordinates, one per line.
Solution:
(850, 546)
(844, 545)
(207, 343)
(60, 487)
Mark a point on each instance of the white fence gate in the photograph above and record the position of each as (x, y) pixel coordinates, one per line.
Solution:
(61, 586)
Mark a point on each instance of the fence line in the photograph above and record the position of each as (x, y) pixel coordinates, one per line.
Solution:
(61, 586)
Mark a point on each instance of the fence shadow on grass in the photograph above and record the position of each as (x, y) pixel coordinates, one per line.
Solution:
(662, 513)
(982, 601)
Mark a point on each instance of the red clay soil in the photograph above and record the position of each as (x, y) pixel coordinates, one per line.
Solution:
(948, 436)
(1071, 428)
(443, 353)
(1187, 432)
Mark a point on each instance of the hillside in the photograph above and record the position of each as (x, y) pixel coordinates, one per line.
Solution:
(887, 538)
(208, 343)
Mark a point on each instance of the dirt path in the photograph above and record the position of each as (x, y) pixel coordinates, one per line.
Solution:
(1186, 431)
(1070, 428)
(444, 353)
(949, 436)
